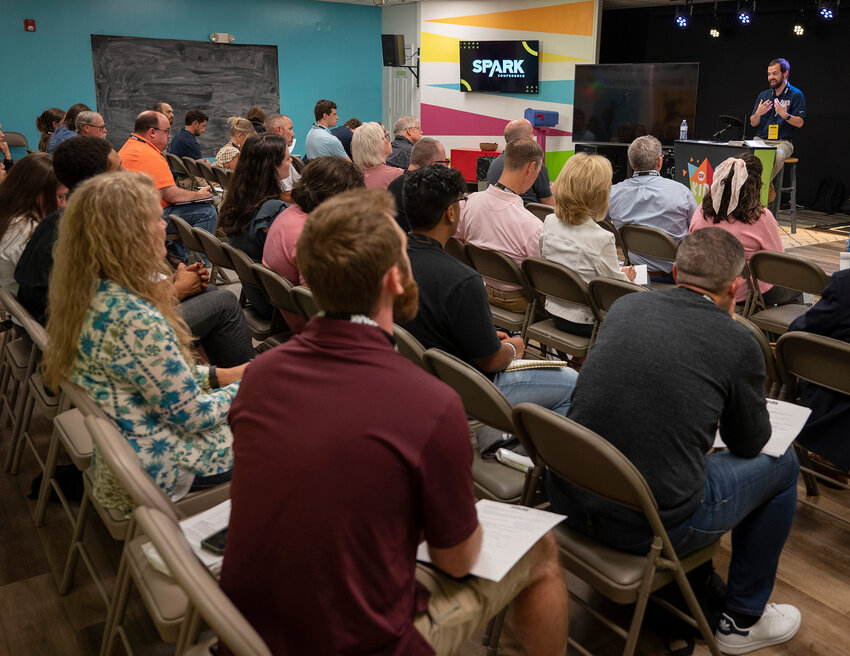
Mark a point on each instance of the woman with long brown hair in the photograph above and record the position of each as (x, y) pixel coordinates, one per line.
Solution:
(734, 204)
(29, 194)
(47, 123)
(114, 330)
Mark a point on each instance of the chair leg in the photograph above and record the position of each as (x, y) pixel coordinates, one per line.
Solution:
(810, 481)
(793, 198)
(16, 448)
(47, 476)
(696, 611)
(642, 598)
(118, 606)
(497, 625)
(76, 544)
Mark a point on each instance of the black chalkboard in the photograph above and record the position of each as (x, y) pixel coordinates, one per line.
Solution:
(223, 80)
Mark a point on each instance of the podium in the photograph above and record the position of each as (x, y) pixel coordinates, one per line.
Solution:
(696, 161)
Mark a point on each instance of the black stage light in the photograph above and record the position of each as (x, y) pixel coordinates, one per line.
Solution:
(827, 9)
(746, 9)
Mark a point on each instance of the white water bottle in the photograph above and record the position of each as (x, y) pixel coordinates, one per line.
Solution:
(683, 131)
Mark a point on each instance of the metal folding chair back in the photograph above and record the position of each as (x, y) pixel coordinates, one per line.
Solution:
(17, 140)
(499, 267)
(608, 224)
(454, 247)
(192, 167)
(277, 288)
(584, 459)
(207, 601)
(773, 381)
(821, 360)
(604, 291)
(648, 241)
(186, 234)
(410, 347)
(214, 249)
(305, 300)
(540, 210)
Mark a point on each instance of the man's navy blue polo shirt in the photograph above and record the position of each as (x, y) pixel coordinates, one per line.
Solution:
(184, 144)
(796, 107)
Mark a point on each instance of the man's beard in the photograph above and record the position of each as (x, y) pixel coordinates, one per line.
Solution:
(406, 305)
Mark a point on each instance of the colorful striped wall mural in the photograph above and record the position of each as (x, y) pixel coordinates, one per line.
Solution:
(567, 32)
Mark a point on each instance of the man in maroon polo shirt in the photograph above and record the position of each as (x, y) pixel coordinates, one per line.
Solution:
(346, 456)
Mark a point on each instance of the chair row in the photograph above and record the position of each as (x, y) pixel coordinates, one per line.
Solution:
(199, 169)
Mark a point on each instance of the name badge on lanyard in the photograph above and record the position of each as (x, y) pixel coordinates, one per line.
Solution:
(773, 131)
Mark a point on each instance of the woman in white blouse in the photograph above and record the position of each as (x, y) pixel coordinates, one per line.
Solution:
(572, 237)
(29, 194)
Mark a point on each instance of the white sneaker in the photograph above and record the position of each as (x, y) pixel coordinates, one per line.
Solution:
(779, 623)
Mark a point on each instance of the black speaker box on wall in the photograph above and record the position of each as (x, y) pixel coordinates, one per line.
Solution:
(392, 46)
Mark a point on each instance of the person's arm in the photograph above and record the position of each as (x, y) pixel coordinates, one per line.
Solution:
(782, 110)
(190, 280)
(744, 422)
(549, 200)
(174, 194)
(511, 347)
(458, 560)
(606, 264)
(165, 382)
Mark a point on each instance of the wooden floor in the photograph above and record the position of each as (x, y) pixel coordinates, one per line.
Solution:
(814, 574)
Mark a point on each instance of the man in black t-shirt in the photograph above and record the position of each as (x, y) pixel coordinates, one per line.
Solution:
(454, 314)
(426, 151)
(541, 190)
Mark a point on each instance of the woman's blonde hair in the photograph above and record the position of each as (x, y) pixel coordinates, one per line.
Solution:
(367, 147)
(582, 189)
(239, 125)
(106, 232)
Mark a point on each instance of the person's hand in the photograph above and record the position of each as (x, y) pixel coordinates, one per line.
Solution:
(231, 374)
(501, 335)
(202, 271)
(630, 272)
(519, 345)
(187, 282)
(763, 108)
(204, 192)
(781, 107)
(4, 148)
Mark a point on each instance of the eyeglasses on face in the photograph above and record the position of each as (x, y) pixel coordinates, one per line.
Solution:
(96, 127)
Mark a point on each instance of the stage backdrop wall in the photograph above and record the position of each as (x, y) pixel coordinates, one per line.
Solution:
(733, 70)
(320, 46)
(568, 33)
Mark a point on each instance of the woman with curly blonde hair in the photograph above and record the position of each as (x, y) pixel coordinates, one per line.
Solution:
(114, 329)
(228, 154)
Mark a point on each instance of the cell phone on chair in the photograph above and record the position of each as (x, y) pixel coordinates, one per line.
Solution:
(215, 543)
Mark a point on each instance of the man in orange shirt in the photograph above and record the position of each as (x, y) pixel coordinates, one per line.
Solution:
(143, 153)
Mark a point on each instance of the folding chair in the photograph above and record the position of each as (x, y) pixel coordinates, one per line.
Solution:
(219, 258)
(604, 291)
(304, 299)
(784, 270)
(192, 167)
(483, 401)
(822, 361)
(20, 360)
(17, 140)
(454, 247)
(540, 210)
(223, 176)
(587, 461)
(165, 601)
(608, 225)
(185, 234)
(261, 329)
(772, 381)
(556, 281)
(297, 163)
(210, 176)
(650, 242)
(206, 600)
(279, 291)
(410, 347)
(499, 267)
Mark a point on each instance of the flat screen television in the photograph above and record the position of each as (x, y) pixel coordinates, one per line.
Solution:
(508, 66)
(616, 103)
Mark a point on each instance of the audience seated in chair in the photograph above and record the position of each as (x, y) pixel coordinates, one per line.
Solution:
(115, 331)
(683, 366)
(228, 155)
(281, 124)
(213, 315)
(540, 190)
(66, 129)
(30, 194)
(454, 314)
(426, 151)
(143, 153)
(336, 572)
(253, 201)
(370, 147)
(495, 219)
(572, 237)
(185, 142)
(647, 199)
(734, 205)
(321, 179)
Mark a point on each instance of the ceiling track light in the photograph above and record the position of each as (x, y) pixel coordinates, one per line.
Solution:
(801, 24)
(827, 9)
(746, 9)
(683, 14)
(714, 29)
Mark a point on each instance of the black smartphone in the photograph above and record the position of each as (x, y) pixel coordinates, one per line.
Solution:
(215, 542)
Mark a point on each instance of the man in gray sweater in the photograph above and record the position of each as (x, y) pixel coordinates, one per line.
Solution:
(667, 369)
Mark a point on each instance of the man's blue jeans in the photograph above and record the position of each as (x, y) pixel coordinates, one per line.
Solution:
(754, 497)
(549, 387)
(197, 215)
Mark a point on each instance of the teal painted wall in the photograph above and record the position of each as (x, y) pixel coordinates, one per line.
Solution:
(325, 50)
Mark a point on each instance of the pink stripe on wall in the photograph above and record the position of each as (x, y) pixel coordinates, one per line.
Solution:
(453, 122)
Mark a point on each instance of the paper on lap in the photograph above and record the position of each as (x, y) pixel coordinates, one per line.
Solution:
(786, 422)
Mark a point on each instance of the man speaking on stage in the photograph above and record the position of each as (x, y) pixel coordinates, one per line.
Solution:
(779, 110)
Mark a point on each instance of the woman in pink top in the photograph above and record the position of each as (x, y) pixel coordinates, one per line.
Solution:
(734, 205)
(322, 178)
(370, 146)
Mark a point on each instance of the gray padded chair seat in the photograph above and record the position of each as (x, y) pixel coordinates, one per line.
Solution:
(777, 319)
(545, 332)
(496, 481)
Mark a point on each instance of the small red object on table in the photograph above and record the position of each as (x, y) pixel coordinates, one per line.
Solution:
(465, 160)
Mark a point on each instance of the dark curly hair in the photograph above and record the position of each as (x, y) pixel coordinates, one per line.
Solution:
(80, 158)
(322, 178)
(428, 192)
(254, 181)
(749, 207)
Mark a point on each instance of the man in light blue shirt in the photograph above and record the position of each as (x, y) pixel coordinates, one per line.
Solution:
(320, 142)
(648, 199)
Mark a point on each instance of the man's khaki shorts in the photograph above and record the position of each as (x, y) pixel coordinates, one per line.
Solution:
(459, 608)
